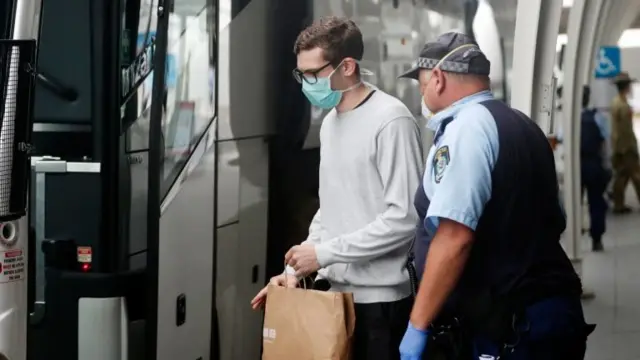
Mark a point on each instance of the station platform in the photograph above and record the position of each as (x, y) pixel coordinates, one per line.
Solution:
(614, 276)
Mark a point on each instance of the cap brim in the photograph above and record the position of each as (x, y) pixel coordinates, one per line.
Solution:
(411, 74)
(615, 81)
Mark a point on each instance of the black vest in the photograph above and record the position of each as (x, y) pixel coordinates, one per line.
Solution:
(591, 139)
(516, 252)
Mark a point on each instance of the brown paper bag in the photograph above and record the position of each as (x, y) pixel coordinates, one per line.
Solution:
(304, 324)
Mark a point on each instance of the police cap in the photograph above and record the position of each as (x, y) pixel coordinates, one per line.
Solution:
(451, 52)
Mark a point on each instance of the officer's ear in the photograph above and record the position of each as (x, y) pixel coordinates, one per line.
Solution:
(439, 79)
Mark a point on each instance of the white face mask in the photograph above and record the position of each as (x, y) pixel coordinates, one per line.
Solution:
(426, 112)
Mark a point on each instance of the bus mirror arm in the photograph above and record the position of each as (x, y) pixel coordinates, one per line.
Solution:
(56, 87)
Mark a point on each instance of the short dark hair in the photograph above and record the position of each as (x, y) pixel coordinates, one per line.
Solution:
(338, 37)
(623, 85)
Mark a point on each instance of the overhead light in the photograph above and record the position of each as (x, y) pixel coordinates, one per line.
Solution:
(567, 3)
(629, 38)
(561, 40)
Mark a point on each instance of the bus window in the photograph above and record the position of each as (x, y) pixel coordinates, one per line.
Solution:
(190, 79)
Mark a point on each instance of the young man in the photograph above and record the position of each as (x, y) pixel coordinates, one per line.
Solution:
(371, 164)
(624, 145)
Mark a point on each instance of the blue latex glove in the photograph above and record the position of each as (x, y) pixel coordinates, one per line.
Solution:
(413, 343)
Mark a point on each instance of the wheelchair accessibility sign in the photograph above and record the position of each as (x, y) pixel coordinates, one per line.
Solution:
(608, 62)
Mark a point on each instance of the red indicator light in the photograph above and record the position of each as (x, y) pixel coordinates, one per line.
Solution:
(86, 267)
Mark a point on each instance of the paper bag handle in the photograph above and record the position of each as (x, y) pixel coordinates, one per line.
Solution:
(286, 278)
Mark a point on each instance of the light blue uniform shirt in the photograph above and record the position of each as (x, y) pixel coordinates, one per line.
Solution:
(457, 177)
(603, 124)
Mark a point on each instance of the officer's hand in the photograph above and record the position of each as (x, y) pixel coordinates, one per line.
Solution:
(281, 280)
(413, 343)
(303, 259)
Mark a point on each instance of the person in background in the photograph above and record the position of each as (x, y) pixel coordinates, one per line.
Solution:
(370, 166)
(624, 145)
(495, 279)
(594, 175)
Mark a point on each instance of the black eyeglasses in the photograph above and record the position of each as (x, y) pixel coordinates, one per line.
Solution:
(309, 76)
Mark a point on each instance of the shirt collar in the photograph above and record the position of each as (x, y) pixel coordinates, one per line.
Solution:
(434, 122)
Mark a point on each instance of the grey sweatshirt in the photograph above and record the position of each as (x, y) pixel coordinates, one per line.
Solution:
(370, 168)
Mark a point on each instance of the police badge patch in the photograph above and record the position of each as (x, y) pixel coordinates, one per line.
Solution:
(440, 162)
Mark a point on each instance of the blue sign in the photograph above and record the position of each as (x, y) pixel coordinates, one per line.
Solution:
(608, 62)
(141, 38)
(171, 73)
(171, 76)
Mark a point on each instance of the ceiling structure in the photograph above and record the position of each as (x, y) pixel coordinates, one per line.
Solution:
(564, 21)
(505, 12)
(505, 15)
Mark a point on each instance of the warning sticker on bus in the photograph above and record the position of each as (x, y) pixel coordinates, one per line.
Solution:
(12, 266)
(84, 254)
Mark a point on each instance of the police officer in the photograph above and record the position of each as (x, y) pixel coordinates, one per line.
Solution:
(594, 175)
(496, 281)
(624, 144)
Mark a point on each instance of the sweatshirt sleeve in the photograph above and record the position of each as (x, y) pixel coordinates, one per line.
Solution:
(315, 230)
(399, 161)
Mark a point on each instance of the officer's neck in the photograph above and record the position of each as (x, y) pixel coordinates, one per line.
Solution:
(352, 98)
(466, 90)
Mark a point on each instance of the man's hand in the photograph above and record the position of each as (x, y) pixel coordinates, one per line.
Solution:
(280, 280)
(303, 259)
(413, 343)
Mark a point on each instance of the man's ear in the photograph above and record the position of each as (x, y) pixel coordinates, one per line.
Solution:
(440, 80)
(349, 66)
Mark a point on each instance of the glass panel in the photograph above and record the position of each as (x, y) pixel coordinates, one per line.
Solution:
(5, 19)
(138, 36)
(190, 83)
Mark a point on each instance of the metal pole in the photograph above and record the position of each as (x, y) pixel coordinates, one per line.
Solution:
(536, 33)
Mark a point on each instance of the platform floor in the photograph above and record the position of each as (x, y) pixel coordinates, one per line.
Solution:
(614, 275)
